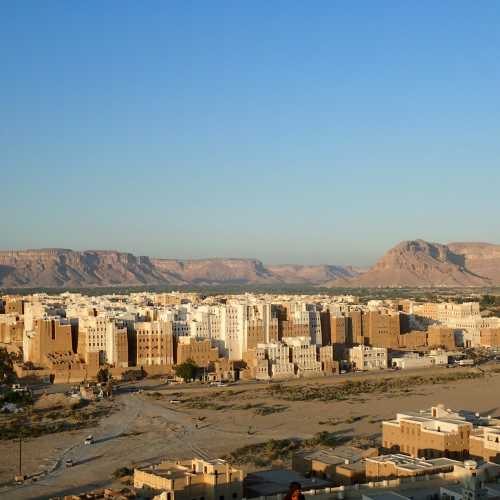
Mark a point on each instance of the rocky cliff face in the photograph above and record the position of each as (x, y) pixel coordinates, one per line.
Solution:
(420, 263)
(410, 263)
(215, 271)
(67, 268)
(312, 274)
(482, 259)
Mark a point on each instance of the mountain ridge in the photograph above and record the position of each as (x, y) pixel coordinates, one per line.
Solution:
(61, 267)
(422, 263)
(411, 263)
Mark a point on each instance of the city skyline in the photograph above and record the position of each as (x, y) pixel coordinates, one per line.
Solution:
(280, 132)
(250, 250)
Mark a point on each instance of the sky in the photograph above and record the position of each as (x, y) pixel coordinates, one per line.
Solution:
(288, 131)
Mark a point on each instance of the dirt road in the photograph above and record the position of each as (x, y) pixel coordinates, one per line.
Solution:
(145, 429)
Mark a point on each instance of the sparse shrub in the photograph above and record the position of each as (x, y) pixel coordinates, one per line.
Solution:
(122, 472)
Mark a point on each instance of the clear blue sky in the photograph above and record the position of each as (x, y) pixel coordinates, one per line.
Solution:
(293, 132)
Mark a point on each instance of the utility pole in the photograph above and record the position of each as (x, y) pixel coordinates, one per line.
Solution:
(19, 476)
(20, 455)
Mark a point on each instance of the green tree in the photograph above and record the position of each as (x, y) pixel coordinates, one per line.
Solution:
(6, 366)
(103, 375)
(187, 370)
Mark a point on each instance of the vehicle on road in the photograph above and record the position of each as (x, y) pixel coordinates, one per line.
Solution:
(69, 463)
(175, 401)
(89, 440)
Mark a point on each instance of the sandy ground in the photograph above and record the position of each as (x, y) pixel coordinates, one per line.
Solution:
(147, 429)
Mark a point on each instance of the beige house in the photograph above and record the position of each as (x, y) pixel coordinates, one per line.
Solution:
(341, 465)
(438, 433)
(366, 358)
(397, 465)
(191, 480)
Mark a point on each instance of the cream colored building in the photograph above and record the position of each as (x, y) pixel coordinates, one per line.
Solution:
(465, 319)
(48, 335)
(429, 434)
(366, 358)
(155, 345)
(104, 337)
(191, 480)
(485, 444)
(304, 356)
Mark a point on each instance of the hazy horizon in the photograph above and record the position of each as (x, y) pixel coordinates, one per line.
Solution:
(286, 132)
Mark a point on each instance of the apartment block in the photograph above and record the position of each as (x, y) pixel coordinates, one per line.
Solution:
(258, 332)
(341, 465)
(338, 332)
(434, 434)
(383, 330)
(117, 344)
(155, 343)
(365, 358)
(92, 337)
(463, 318)
(315, 333)
(11, 329)
(304, 356)
(412, 340)
(356, 327)
(427, 310)
(397, 465)
(279, 358)
(13, 305)
(104, 339)
(327, 358)
(485, 444)
(490, 337)
(49, 335)
(233, 330)
(258, 366)
(441, 336)
(292, 328)
(201, 351)
(191, 480)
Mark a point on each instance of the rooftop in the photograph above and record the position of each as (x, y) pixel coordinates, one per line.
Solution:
(337, 456)
(414, 464)
(273, 482)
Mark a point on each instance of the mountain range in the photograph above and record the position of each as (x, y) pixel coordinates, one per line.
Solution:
(410, 263)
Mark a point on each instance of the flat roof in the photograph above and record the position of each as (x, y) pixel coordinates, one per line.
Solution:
(385, 495)
(414, 464)
(335, 456)
(167, 473)
(272, 482)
